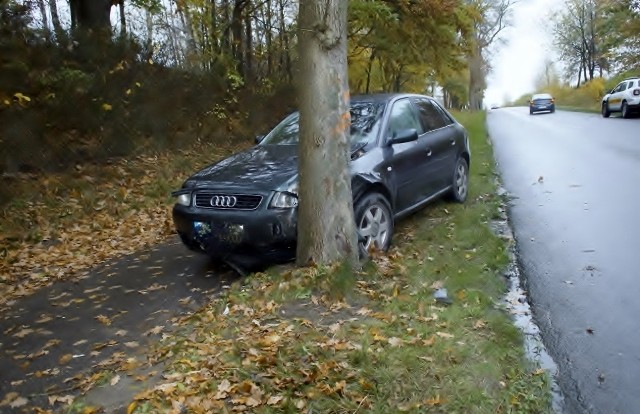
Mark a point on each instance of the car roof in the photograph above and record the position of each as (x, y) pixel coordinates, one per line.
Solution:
(383, 97)
(541, 96)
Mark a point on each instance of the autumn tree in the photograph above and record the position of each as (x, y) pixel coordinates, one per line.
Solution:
(326, 225)
(578, 33)
(397, 46)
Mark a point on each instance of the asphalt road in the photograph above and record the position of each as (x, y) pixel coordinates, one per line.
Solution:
(70, 332)
(574, 179)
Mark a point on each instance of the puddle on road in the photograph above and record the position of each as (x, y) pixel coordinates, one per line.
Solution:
(517, 305)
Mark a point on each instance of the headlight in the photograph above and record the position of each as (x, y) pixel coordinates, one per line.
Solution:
(184, 199)
(284, 200)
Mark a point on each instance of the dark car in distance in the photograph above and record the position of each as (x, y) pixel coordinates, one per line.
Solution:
(406, 150)
(542, 102)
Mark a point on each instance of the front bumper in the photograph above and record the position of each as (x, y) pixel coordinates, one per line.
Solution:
(225, 234)
(543, 107)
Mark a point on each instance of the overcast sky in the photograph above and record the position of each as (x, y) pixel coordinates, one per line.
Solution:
(518, 63)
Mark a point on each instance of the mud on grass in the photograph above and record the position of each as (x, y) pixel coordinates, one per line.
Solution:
(328, 339)
(57, 225)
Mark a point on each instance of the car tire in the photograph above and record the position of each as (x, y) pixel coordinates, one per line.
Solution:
(374, 223)
(625, 110)
(460, 182)
(606, 113)
(530, 112)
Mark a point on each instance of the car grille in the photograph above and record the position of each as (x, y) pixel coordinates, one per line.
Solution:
(204, 199)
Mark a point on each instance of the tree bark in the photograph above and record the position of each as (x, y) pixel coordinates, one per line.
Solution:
(123, 19)
(45, 18)
(326, 225)
(55, 21)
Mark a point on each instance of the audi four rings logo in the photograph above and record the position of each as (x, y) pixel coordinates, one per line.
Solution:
(223, 201)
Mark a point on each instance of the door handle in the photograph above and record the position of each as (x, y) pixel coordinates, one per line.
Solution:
(429, 152)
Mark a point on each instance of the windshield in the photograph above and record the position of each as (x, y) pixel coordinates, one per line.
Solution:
(365, 124)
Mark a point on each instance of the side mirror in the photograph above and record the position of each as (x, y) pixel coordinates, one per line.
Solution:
(259, 139)
(405, 135)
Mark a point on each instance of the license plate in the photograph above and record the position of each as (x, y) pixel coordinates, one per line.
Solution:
(201, 228)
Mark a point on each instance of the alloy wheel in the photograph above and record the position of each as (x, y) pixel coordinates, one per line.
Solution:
(374, 227)
(462, 181)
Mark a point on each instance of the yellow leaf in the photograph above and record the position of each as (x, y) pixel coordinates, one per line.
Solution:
(106, 107)
(434, 401)
(7, 102)
(114, 380)
(131, 408)
(538, 371)
(21, 98)
(90, 410)
(128, 92)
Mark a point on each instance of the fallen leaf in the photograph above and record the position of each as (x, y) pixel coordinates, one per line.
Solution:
(9, 398)
(18, 402)
(65, 359)
(275, 400)
(107, 107)
(590, 331)
(67, 399)
(103, 320)
(538, 372)
(114, 380)
(24, 332)
(132, 344)
(444, 335)
(395, 342)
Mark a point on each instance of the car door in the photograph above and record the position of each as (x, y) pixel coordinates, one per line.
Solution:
(438, 142)
(615, 100)
(401, 160)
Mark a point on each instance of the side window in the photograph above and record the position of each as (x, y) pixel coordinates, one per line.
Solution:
(402, 117)
(445, 115)
(623, 87)
(630, 85)
(430, 116)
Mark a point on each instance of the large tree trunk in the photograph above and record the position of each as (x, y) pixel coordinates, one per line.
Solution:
(326, 226)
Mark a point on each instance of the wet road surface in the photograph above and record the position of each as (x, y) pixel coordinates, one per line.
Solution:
(574, 179)
(64, 337)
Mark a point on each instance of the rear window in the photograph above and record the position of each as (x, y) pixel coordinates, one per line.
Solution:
(541, 96)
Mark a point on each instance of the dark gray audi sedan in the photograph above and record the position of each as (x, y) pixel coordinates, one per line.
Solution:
(406, 150)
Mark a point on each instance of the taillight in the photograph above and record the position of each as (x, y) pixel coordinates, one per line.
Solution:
(636, 92)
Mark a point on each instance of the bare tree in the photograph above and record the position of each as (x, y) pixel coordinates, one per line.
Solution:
(326, 227)
(493, 18)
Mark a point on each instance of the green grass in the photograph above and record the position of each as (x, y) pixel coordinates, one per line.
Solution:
(329, 339)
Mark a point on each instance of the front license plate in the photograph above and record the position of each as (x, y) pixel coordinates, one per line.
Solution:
(201, 229)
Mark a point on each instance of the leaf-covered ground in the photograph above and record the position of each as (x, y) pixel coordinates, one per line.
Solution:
(59, 225)
(375, 340)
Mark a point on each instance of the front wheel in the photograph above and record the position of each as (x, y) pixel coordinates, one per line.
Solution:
(625, 110)
(605, 110)
(374, 223)
(460, 184)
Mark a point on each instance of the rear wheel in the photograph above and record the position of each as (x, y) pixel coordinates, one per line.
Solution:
(374, 223)
(460, 184)
(625, 110)
(605, 110)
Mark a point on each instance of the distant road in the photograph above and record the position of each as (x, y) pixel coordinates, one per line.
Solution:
(575, 179)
